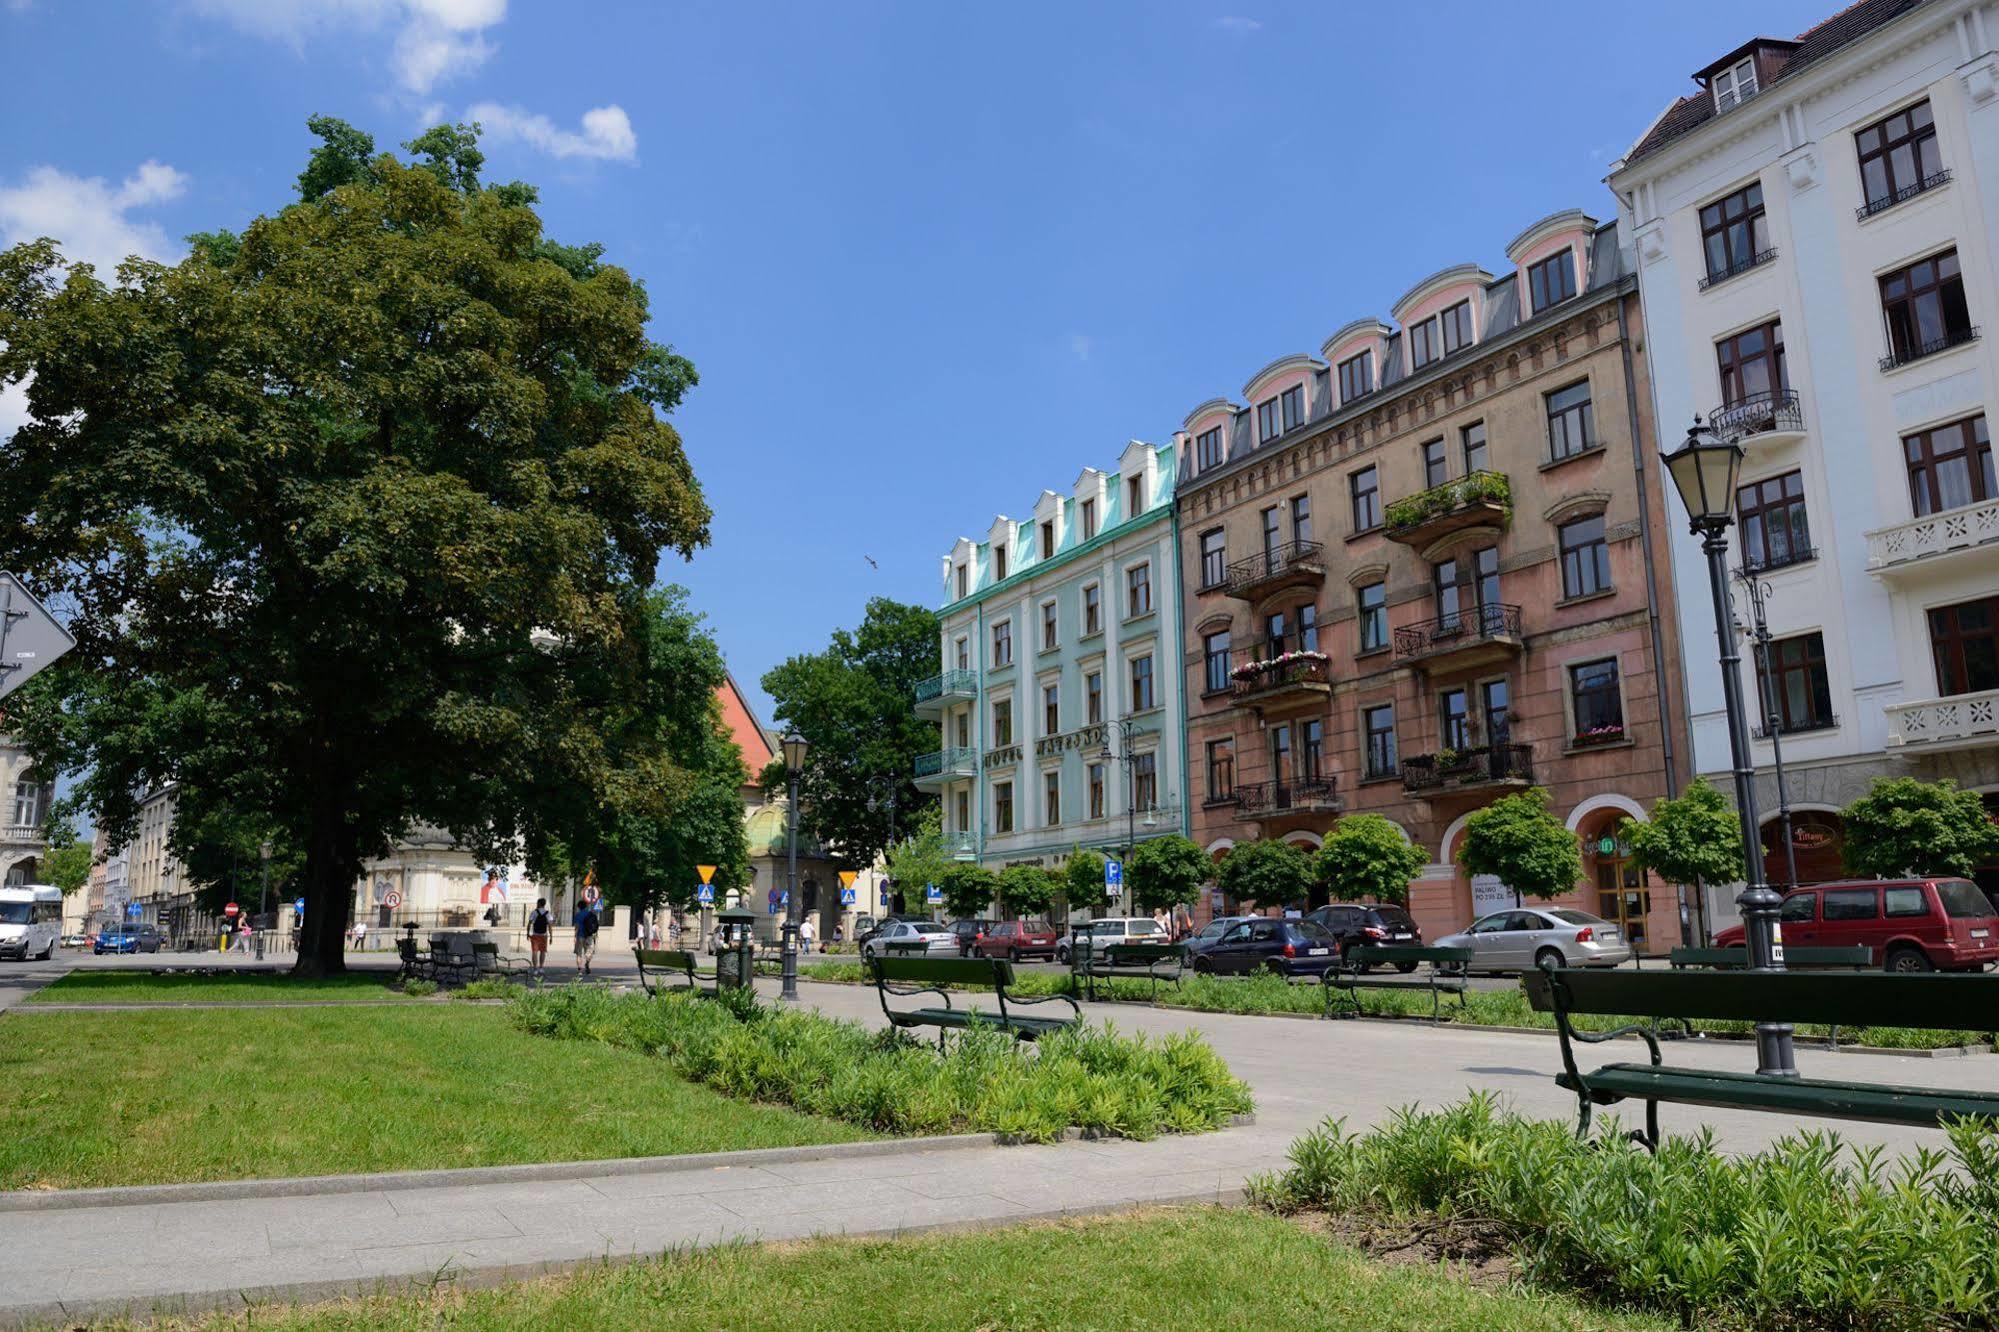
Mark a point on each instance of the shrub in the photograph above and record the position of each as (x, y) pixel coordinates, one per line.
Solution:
(1162, 872)
(420, 988)
(1091, 1077)
(487, 987)
(1805, 1234)
(1907, 827)
(1528, 849)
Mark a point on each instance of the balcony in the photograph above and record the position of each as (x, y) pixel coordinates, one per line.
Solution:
(1293, 564)
(1962, 721)
(945, 765)
(1887, 201)
(1430, 775)
(961, 846)
(1902, 356)
(1276, 800)
(1288, 674)
(1476, 499)
(1458, 642)
(1761, 418)
(1737, 269)
(939, 692)
(1922, 545)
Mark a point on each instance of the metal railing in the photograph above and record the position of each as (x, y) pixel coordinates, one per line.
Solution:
(1758, 414)
(1259, 799)
(1274, 563)
(1828, 722)
(955, 759)
(1497, 620)
(1738, 268)
(1280, 662)
(1470, 767)
(1887, 201)
(949, 683)
(1957, 337)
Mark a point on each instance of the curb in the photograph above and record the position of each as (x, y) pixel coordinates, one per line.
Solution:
(307, 1186)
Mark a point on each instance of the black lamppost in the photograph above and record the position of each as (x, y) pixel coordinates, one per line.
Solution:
(1773, 719)
(794, 763)
(1125, 758)
(1704, 471)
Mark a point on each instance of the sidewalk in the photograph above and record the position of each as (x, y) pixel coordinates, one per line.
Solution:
(69, 1263)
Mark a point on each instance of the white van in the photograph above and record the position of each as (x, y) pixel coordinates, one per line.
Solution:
(30, 920)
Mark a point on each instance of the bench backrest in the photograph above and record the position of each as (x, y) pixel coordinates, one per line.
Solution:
(1859, 955)
(1449, 957)
(1862, 998)
(944, 970)
(665, 959)
(918, 946)
(1119, 953)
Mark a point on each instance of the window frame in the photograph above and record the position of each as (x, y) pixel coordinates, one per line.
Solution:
(1221, 768)
(1051, 625)
(1607, 695)
(1598, 565)
(1003, 807)
(1436, 462)
(1002, 642)
(1093, 609)
(1947, 648)
(1214, 562)
(1293, 400)
(1465, 447)
(1751, 224)
(1917, 138)
(1380, 759)
(1051, 797)
(1456, 323)
(1138, 590)
(1139, 672)
(1357, 369)
(1214, 656)
(1093, 697)
(1094, 775)
(1375, 616)
(1001, 722)
(1810, 663)
(1268, 422)
(1089, 518)
(1301, 518)
(1539, 273)
(1733, 362)
(1577, 419)
(1901, 315)
(1425, 346)
(1208, 449)
(1756, 508)
(1975, 451)
(1051, 708)
(1371, 497)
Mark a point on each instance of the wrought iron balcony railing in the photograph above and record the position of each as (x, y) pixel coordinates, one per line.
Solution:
(1476, 625)
(1291, 558)
(949, 684)
(1303, 795)
(1956, 337)
(1468, 767)
(1758, 414)
(1738, 268)
(1887, 201)
(956, 759)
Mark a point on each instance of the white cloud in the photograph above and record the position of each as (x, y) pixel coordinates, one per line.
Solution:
(435, 39)
(1079, 346)
(606, 131)
(90, 217)
(1237, 23)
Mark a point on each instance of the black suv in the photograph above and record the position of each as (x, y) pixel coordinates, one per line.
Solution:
(1370, 923)
(968, 933)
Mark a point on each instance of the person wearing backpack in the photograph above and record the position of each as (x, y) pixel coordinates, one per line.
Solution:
(586, 939)
(539, 922)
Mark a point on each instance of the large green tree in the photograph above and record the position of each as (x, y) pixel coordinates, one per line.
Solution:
(1083, 880)
(67, 863)
(352, 515)
(1906, 827)
(1365, 858)
(1526, 847)
(968, 889)
(1692, 838)
(1162, 872)
(1267, 872)
(919, 857)
(1026, 891)
(855, 703)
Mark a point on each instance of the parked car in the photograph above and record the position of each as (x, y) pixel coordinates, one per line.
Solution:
(1370, 923)
(935, 938)
(1911, 924)
(1018, 940)
(968, 933)
(133, 939)
(1265, 943)
(76, 941)
(1210, 934)
(1111, 930)
(874, 928)
(1524, 937)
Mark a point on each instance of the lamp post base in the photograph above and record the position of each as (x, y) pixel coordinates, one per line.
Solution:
(789, 993)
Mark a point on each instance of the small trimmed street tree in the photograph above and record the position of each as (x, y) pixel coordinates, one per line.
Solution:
(67, 863)
(1692, 838)
(1906, 827)
(1517, 840)
(920, 858)
(1163, 872)
(1365, 858)
(1083, 879)
(1268, 873)
(1025, 891)
(968, 889)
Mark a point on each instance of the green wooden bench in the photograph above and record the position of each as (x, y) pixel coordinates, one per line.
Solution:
(1855, 958)
(659, 966)
(903, 977)
(1445, 974)
(1138, 961)
(1857, 999)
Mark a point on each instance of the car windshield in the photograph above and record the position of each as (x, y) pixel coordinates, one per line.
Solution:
(1146, 927)
(1569, 917)
(1963, 899)
(1393, 915)
(16, 913)
(1313, 930)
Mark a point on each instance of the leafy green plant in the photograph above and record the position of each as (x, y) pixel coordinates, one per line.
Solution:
(1083, 878)
(420, 988)
(968, 889)
(487, 987)
(1164, 871)
(1477, 487)
(1903, 826)
(1526, 847)
(1365, 858)
(1267, 872)
(1026, 891)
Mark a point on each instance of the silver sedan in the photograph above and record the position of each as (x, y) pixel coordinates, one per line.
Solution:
(932, 939)
(1523, 937)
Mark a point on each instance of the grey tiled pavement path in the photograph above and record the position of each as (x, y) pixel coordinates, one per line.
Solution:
(1301, 1071)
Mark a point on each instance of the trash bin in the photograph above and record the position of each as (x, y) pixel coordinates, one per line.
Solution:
(735, 966)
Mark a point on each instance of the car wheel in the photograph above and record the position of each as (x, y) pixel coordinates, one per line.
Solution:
(1274, 967)
(868, 952)
(1549, 957)
(1203, 967)
(1907, 961)
(1062, 956)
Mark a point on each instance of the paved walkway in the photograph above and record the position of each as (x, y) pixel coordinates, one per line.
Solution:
(87, 1259)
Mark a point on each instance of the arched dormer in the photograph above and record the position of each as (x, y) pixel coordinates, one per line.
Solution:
(1281, 395)
(1207, 429)
(1552, 258)
(1355, 354)
(1443, 314)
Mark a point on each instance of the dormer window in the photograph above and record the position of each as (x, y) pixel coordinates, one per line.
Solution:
(964, 580)
(999, 563)
(1135, 496)
(1553, 280)
(1356, 377)
(1456, 323)
(1089, 519)
(1208, 449)
(1423, 343)
(1735, 85)
(1293, 402)
(1048, 541)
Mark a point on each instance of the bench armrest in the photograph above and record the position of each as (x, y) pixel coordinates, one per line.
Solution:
(1632, 1029)
(1048, 998)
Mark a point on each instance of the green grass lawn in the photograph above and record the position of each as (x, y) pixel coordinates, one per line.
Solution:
(138, 987)
(1194, 1268)
(89, 1099)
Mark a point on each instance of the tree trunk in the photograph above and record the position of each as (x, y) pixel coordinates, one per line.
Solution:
(331, 869)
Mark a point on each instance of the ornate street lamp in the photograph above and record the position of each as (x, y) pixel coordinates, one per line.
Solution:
(1704, 470)
(794, 763)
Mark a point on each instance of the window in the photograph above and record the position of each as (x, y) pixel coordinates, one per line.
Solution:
(1050, 639)
(1138, 589)
(1553, 280)
(1002, 723)
(1495, 706)
(1308, 627)
(1301, 518)
(1373, 617)
(1215, 653)
(1798, 908)
(1949, 467)
(1366, 488)
(1214, 558)
(1899, 157)
(1466, 585)
(1208, 449)
(1849, 904)
(1454, 720)
(1090, 518)
(1096, 790)
(1141, 683)
(1378, 725)
(1598, 702)
(1734, 86)
(1904, 902)
(1280, 753)
(1134, 492)
(1093, 609)
(1964, 640)
(1048, 541)
(964, 810)
(1925, 309)
(1772, 515)
(1273, 633)
(1585, 557)
(1003, 643)
(1457, 327)
(1003, 807)
(1752, 364)
(1795, 693)
(1269, 425)
(1571, 422)
(1471, 442)
(1051, 798)
(1735, 234)
(31, 802)
(1356, 377)
(999, 563)
(1093, 698)
(1145, 780)
(1273, 532)
(965, 729)
(964, 649)
(1436, 467)
(1293, 400)
(1221, 769)
(1051, 709)
(1423, 344)
(1312, 750)
(964, 581)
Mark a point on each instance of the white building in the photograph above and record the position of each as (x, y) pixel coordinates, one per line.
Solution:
(28, 794)
(1814, 230)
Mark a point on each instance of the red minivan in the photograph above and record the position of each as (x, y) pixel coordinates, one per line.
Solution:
(1911, 924)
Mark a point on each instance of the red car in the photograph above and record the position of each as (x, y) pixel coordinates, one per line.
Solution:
(1911, 924)
(1016, 940)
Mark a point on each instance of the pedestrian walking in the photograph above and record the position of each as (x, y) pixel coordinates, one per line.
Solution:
(585, 922)
(805, 933)
(360, 934)
(656, 936)
(539, 922)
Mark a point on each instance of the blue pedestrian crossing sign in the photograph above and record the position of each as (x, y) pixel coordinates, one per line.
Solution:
(932, 894)
(846, 897)
(705, 895)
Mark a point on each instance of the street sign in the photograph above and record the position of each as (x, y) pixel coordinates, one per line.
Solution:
(299, 906)
(704, 895)
(931, 894)
(773, 900)
(231, 910)
(1113, 873)
(846, 897)
(392, 899)
(707, 873)
(847, 878)
(134, 910)
(30, 638)
(590, 894)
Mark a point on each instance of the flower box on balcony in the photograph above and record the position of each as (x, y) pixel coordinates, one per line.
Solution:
(1597, 735)
(1276, 665)
(1474, 497)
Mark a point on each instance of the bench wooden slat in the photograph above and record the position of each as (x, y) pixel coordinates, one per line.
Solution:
(1394, 953)
(1856, 956)
(1863, 998)
(1347, 978)
(1817, 1097)
(946, 970)
(922, 974)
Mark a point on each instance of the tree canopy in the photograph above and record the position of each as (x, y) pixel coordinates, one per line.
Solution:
(1907, 827)
(1365, 858)
(1526, 847)
(919, 858)
(968, 889)
(1026, 891)
(67, 863)
(1162, 872)
(1693, 837)
(1268, 872)
(353, 517)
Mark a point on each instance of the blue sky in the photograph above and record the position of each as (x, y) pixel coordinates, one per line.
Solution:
(928, 258)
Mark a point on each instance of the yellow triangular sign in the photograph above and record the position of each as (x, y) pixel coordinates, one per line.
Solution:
(847, 878)
(707, 873)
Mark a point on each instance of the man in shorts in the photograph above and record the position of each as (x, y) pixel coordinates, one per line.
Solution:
(586, 939)
(539, 921)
